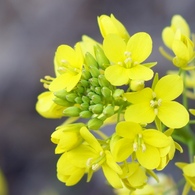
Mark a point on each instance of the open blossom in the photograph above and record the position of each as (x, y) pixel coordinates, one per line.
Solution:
(148, 103)
(68, 64)
(144, 144)
(126, 58)
(110, 25)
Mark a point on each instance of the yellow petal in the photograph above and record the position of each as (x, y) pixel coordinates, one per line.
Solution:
(189, 170)
(168, 36)
(128, 129)
(169, 87)
(114, 48)
(173, 114)
(117, 75)
(140, 72)
(140, 46)
(138, 97)
(145, 157)
(155, 138)
(140, 113)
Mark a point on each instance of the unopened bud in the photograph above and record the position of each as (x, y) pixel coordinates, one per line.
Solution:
(61, 94)
(97, 109)
(101, 57)
(98, 90)
(96, 99)
(78, 100)
(136, 85)
(85, 114)
(103, 81)
(94, 71)
(72, 111)
(94, 123)
(84, 106)
(90, 60)
(94, 82)
(106, 92)
(62, 102)
(86, 74)
(109, 110)
(85, 99)
(118, 92)
(84, 83)
(71, 97)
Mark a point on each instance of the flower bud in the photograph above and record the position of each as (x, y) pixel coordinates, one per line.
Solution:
(97, 109)
(84, 106)
(96, 99)
(61, 102)
(71, 97)
(98, 90)
(108, 111)
(94, 123)
(84, 83)
(101, 57)
(94, 71)
(78, 100)
(103, 81)
(106, 92)
(85, 99)
(61, 94)
(72, 111)
(94, 82)
(86, 74)
(137, 85)
(85, 114)
(90, 60)
(118, 92)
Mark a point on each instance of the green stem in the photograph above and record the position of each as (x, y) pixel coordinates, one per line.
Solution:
(191, 122)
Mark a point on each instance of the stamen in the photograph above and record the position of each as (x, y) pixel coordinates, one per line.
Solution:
(159, 102)
(155, 111)
(95, 166)
(127, 53)
(88, 163)
(143, 147)
(135, 146)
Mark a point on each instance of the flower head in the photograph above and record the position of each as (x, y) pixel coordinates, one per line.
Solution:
(126, 58)
(144, 144)
(148, 103)
(68, 64)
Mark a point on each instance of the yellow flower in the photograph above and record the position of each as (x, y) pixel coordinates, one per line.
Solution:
(189, 175)
(67, 137)
(110, 25)
(46, 107)
(68, 64)
(134, 176)
(148, 104)
(3, 184)
(126, 58)
(144, 144)
(177, 23)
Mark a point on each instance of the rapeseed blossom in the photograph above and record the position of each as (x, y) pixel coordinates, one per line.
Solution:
(148, 103)
(126, 58)
(97, 84)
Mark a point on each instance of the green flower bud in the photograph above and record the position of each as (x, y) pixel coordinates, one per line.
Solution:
(84, 83)
(94, 123)
(62, 102)
(61, 94)
(94, 82)
(106, 92)
(71, 97)
(136, 85)
(118, 92)
(86, 114)
(85, 99)
(80, 89)
(103, 82)
(94, 71)
(72, 111)
(96, 99)
(97, 109)
(84, 106)
(90, 60)
(98, 90)
(78, 100)
(86, 74)
(108, 110)
(90, 94)
(101, 57)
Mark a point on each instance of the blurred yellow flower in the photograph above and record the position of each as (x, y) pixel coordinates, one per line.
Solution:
(148, 104)
(189, 175)
(126, 58)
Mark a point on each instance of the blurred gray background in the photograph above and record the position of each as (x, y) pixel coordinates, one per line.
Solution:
(30, 32)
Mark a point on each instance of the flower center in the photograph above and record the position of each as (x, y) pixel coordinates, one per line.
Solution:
(95, 163)
(139, 143)
(155, 103)
(66, 66)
